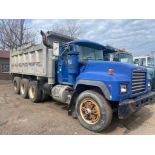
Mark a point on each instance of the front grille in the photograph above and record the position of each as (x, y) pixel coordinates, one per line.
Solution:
(138, 81)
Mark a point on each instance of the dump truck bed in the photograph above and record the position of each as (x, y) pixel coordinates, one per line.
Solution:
(30, 61)
(37, 60)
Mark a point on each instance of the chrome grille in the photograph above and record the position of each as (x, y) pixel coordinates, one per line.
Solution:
(138, 81)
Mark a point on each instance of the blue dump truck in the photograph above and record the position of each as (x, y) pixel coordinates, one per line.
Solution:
(75, 73)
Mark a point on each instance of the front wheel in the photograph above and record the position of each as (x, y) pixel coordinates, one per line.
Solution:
(93, 111)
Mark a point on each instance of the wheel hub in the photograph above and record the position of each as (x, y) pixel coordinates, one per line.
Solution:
(89, 111)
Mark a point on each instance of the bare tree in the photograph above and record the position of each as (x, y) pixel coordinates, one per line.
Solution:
(73, 28)
(14, 33)
(69, 27)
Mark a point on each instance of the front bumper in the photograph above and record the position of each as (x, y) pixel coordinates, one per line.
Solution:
(129, 106)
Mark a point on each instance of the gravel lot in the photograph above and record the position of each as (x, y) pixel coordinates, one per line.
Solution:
(20, 116)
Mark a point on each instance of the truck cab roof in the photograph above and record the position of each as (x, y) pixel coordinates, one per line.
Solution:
(87, 43)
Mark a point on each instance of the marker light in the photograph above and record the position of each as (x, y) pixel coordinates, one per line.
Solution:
(110, 71)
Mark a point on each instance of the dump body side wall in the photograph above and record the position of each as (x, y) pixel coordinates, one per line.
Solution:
(31, 61)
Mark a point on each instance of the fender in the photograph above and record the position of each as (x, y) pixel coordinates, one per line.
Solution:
(99, 84)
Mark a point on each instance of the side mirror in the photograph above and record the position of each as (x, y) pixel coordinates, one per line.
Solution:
(56, 49)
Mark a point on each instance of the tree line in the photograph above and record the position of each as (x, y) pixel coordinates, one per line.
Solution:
(15, 33)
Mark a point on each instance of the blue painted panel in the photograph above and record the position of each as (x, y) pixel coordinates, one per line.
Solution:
(71, 70)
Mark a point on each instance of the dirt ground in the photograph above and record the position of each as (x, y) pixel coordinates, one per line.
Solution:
(21, 116)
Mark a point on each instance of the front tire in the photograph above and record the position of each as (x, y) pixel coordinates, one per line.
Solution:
(93, 111)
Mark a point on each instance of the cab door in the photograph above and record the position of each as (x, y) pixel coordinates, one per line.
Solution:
(63, 65)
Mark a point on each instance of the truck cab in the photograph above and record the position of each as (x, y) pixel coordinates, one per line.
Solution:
(78, 74)
(83, 52)
(83, 65)
(148, 62)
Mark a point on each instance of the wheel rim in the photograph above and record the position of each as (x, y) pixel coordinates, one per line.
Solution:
(31, 92)
(90, 111)
(15, 85)
(22, 88)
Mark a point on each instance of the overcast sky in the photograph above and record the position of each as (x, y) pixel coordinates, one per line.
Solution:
(138, 36)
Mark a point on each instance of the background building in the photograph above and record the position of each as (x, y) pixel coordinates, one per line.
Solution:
(4, 65)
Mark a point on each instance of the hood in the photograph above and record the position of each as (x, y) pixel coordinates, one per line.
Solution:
(98, 71)
(118, 67)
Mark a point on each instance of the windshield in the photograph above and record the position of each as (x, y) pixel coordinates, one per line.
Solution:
(120, 57)
(89, 53)
(127, 58)
(150, 61)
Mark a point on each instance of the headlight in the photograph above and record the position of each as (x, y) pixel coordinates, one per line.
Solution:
(123, 88)
(149, 84)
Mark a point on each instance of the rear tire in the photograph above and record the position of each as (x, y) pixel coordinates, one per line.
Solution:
(34, 92)
(93, 111)
(44, 95)
(45, 92)
(24, 85)
(16, 84)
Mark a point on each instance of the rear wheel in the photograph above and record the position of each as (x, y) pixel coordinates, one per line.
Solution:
(24, 88)
(34, 92)
(16, 84)
(44, 95)
(93, 111)
(45, 92)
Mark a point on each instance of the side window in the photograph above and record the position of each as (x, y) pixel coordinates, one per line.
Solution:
(71, 48)
(65, 52)
(65, 55)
